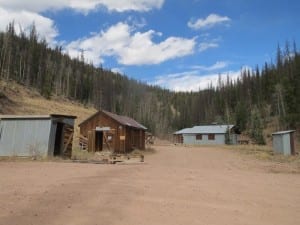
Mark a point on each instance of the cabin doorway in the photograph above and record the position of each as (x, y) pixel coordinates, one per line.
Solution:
(99, 141)
(58, 139)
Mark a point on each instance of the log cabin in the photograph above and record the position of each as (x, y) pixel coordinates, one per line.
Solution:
(106, 130)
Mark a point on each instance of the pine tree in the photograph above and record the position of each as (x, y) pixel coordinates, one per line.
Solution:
(256, 127)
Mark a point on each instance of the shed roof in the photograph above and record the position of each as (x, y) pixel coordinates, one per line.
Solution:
(28, 117)
(123, 120)
(208, 129)
(283, 132)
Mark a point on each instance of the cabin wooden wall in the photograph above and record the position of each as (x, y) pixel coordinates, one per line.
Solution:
(178, 138)
(135, 138)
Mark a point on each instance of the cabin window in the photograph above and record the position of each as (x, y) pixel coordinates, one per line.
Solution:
(198, 136)
(211, 136)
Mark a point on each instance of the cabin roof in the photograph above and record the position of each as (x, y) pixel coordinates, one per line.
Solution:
(123, 120)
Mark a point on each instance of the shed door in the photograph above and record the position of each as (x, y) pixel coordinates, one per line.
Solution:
(58, 139)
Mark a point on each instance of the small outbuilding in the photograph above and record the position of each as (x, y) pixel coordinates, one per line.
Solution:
(36, 135)
(106, 130)
(203, 135)
(283, 142)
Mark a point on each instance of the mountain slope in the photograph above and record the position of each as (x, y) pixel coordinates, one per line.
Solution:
(18, 100)
(252, 102)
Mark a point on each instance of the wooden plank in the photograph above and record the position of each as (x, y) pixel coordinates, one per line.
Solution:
(106, 141)
(68, 142)
(122, 138)
(91, 141)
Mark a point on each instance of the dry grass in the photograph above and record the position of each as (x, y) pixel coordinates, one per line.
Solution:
(265, 153)
(29, 101)
(78, 154)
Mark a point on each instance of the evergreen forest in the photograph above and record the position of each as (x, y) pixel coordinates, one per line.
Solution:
(270, 93)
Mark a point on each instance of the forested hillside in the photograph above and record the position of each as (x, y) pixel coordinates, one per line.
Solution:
(264, 95)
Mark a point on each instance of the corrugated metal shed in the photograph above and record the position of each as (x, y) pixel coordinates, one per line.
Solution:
(283, 142)
(36, 135)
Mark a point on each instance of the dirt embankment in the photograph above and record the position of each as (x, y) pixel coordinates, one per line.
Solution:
(176, 185)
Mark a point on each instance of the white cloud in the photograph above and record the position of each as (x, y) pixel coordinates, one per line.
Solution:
(25, 13)
(117, 70)
(130, 48)
(136, 22)
(209, 21)
(82, 5)
(134, 5)
(193, 80)
(217, 66)
(203, 46)
(24, 20)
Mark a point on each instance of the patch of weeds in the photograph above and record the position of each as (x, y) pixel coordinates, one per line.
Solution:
(78, 154)
(266, 153)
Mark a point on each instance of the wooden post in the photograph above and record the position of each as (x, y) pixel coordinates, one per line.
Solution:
(91, 140)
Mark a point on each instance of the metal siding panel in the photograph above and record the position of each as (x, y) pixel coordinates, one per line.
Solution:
(5, 129)
(278, 143)
(220, 139)
(286, 144)
(190, 139)
(52, 139)
(204, 140)
(24, 137)
(233, 139)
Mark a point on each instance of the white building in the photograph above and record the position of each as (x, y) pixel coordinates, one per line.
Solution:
(205, 135)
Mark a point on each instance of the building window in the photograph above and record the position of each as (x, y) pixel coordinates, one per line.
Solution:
(198, 136)
(211, 136)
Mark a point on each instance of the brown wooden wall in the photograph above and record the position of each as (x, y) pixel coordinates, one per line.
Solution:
(178, 138)
(134, 138)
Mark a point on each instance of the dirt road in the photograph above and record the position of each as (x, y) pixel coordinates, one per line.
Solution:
(176, 185)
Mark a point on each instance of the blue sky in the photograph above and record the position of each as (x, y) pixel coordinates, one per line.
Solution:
(182, 45)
